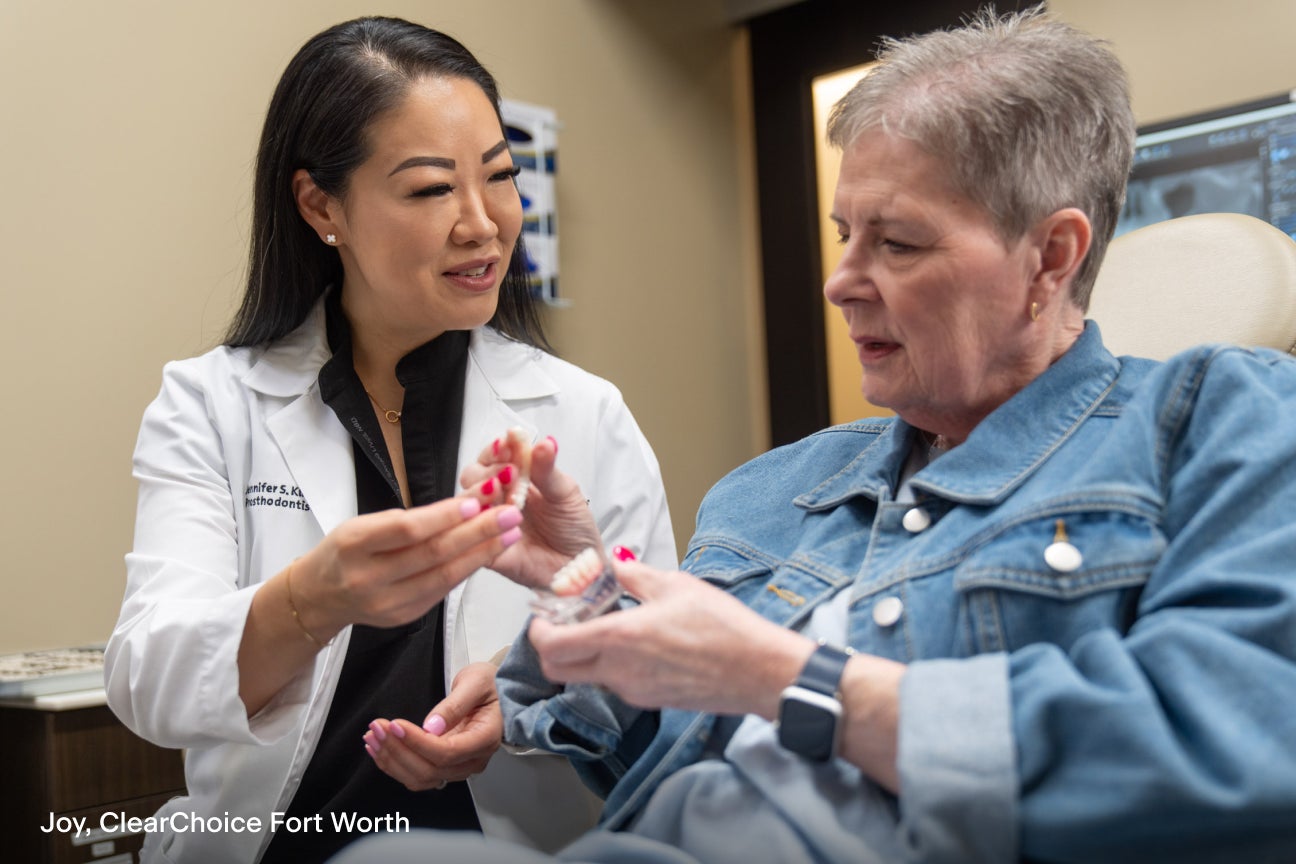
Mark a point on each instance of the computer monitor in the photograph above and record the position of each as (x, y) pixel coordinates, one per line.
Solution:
(1238, 159)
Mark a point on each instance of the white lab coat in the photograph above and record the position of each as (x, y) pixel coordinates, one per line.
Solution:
(240, 427)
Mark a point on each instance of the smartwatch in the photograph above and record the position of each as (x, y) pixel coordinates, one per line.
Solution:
(810, 711)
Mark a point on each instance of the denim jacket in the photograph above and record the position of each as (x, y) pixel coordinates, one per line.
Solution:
(1132, 699)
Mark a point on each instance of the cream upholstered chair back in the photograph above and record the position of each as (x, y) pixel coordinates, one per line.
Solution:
(1213, 277)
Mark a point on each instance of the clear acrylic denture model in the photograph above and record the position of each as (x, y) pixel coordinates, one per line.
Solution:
(583, 588)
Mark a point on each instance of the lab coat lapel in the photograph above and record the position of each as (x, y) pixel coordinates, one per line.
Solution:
(315, 446)
(318, 452)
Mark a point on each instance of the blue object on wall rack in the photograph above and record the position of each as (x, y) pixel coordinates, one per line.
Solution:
(532, 132)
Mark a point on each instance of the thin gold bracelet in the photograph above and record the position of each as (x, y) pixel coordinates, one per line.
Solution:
(292, 607)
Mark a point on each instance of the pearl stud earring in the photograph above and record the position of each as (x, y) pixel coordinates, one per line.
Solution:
(330, 239)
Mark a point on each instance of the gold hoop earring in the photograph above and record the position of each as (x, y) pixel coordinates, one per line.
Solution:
(1034, 311)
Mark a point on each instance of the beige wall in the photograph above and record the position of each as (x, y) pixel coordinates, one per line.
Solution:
(128, 131)
(1185, 56)
(128, 134)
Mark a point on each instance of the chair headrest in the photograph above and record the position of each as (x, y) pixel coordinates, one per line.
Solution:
(1212, 277)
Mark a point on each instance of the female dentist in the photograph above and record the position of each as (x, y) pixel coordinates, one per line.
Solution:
(308, 610)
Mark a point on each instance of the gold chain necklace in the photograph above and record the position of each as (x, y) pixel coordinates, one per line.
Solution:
(391, 415)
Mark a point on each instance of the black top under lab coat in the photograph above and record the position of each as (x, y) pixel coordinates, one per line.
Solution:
(395, 672)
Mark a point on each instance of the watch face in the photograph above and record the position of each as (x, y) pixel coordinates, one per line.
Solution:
(808, 724)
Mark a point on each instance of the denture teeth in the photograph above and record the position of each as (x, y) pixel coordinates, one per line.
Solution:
(577, 574)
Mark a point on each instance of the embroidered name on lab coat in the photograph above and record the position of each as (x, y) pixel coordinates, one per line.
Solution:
(274, 495)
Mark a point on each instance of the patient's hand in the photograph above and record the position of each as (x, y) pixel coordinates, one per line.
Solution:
(688, 645)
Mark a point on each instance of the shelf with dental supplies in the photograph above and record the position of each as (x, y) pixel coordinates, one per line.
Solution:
(69, 763)
(60, 671)
(532, 132)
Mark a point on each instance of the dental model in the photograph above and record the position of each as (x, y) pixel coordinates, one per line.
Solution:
(577, 574)
(520, 445)
(583, 588)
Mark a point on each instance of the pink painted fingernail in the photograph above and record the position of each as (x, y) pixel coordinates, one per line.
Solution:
(488, 488)
(509, 517)
(371, 741)
(511, 536)
(469, 508)
(621, 553)
(495, 445)
(378, 731)
(506, 476)
(435, 725)
(373, 754)
(398, 730)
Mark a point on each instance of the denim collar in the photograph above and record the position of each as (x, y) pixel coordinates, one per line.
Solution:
(1003, 450)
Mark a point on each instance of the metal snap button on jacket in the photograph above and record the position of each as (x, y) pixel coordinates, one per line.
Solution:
(887, 611)
(915, 520)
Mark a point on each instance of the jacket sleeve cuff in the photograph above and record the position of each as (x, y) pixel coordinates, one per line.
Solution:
(957, 761)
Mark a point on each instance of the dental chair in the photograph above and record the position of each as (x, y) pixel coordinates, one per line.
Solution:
(1212, 277)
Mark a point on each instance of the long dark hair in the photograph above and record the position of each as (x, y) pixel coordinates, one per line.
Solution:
(333, 90)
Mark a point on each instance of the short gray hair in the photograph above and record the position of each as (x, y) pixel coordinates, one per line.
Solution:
(1030, 114)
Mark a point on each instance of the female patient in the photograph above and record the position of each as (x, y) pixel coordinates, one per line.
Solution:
(306, 610)
(1046, 614)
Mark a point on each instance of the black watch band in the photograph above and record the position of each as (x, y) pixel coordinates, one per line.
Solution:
(823, 671)
(809, 722)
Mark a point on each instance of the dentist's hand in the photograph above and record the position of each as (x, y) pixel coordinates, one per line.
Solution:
(557, 522)
(388, 568)
(382, 569)
(456, 740)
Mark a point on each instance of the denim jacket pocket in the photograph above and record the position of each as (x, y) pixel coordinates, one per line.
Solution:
(1054, 576)
(727, 564)
(784, 592)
